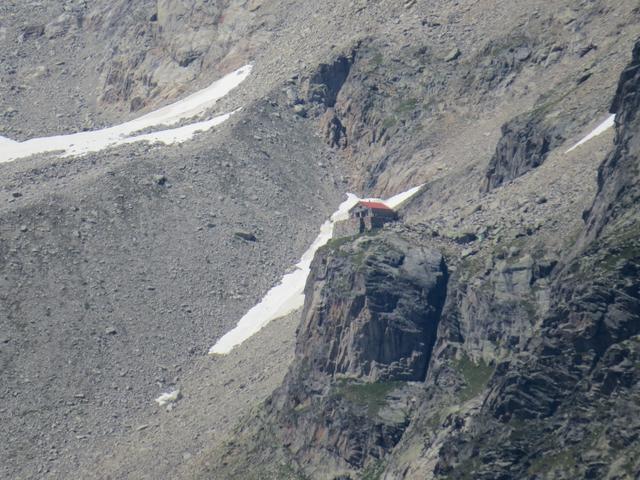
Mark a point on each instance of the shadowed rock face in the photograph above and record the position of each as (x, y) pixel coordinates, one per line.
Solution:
(526, 141)
(369, 324)
(618, 189)
(325, 84)
(321, 92)
(567, 405)
(374, 313)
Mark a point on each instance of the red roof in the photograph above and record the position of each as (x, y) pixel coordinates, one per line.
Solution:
(374, 205)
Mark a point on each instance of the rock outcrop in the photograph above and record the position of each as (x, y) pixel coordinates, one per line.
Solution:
(325, 84)
(369, 324)
(618, 187)
(531, 373)
(372, 310)
(564, 405)
(368, 327)
(525, 144)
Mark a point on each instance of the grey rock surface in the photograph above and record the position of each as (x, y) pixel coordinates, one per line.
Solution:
(367, 330)
(119, 269)
(524, 145)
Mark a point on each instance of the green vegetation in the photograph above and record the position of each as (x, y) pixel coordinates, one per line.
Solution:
(467, 469)
(407, 106)
(530, 308)
(373, 471)
(335, 243)
(389, 122)
(369, 395)
(378, 59)
(564, 461)
(359, 257)
(630, 465)
(476, 376)
(503, 249)
(619, 256)
(520, 429)
(625, 247)
(302, 407)
(434, 421)
(471, 266)
(607, 255)
(340, 287)
(551, 99)
(288, 472)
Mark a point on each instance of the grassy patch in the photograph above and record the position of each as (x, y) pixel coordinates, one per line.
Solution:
(335, 243)
(619, 256)
(564, 461)
(476, 376)
(378, 59)
(407, 106)
(530, 308)
(552, 100)
(467, 469)
(471, 266)
(288, 472)
(607, 255)
(340, 287)
(434, 421)
(373, 471)
(630, 465)
(369, 395)
(389, 122)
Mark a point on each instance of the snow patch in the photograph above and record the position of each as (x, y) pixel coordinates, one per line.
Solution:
(85, 142)
(288, 295)
(168, 398)
(397, 200)
(181, 134)
(600, 129)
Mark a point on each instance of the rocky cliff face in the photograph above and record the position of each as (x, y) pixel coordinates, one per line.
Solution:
(182, 39)
(372, 310)
(525, 144)
(109, 60)
(368, 327)
(618, 190)
(532, 371)
(564, 404)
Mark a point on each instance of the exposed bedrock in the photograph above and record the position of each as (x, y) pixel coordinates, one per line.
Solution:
(373, 310)
(565, 405)
(618, 187)
(525, 144)
(369, 324)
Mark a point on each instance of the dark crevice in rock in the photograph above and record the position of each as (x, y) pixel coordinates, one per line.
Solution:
(335, 132)
(325, 84)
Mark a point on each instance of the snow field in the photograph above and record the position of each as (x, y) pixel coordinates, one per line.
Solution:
(599, 130)
(288, 295)
(85, 142)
